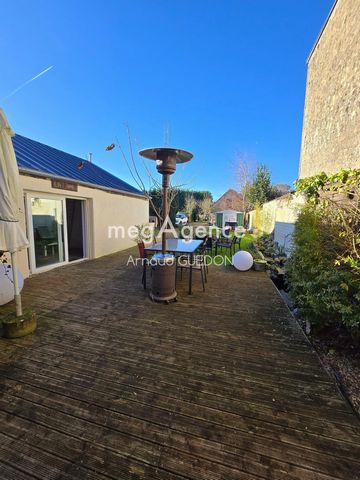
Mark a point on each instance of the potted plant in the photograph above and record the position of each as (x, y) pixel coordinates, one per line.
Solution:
(260, 264)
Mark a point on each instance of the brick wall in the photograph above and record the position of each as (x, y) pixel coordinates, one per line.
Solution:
(331, 130)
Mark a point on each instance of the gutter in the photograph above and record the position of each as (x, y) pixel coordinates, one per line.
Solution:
(321, 32)
(34, 173)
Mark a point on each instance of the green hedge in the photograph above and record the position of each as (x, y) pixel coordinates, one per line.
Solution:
(323, 270)
(325, 292)
(178, 203)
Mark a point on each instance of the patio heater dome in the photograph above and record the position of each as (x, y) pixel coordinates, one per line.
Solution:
(164, 270)
(166, 158)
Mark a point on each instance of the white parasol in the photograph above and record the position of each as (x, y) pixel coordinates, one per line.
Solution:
(12, 238)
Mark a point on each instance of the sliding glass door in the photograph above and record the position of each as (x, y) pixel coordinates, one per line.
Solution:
(47, 219)
(57, 230)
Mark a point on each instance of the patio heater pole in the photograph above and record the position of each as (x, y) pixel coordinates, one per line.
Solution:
(165, 185)
(164, 264)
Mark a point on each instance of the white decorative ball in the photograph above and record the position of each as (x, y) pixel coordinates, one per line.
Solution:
(242, 260)
(6, 283)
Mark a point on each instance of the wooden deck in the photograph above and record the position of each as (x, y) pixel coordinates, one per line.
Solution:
(221, 385)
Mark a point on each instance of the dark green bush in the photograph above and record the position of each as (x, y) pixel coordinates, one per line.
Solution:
(326, 290)
(178, 203)
(266, 245)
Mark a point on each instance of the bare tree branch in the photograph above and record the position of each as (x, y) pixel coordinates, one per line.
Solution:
(244, 170)
(206, 207)
(153, 183)
(190, 204)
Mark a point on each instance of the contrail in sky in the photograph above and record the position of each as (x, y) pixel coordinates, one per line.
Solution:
(27, 83)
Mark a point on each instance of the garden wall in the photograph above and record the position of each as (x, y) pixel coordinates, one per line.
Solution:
(278, 217)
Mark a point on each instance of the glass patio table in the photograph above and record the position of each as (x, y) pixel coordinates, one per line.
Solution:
(180, 246)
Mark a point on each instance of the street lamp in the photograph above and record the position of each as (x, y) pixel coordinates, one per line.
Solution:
(164, 265)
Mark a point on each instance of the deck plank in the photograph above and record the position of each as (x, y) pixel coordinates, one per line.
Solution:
(220, 385)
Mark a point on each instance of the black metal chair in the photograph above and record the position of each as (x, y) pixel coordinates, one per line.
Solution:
(238, 242)
(227, 243)
(196, 262)
(209, 243)
(209, 247)
(142, 254)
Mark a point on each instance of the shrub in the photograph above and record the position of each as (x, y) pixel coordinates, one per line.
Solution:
(246, 242)
(337, 197)
(324, 268)
(266, 245)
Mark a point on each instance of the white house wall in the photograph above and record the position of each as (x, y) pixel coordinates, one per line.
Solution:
(104, 209)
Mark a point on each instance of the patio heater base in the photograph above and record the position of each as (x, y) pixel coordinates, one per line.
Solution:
(158, 299)
(163, 278)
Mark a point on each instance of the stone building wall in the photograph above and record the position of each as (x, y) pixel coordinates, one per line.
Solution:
(331, 129)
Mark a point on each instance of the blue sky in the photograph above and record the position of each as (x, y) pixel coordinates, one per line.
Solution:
(226, 76)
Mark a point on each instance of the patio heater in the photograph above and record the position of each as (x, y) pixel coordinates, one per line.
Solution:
(164, 264)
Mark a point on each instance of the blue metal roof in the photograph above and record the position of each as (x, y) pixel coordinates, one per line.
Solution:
(36, 156)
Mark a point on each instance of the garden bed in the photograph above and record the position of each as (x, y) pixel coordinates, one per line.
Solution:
(339, 353)
(324, 273)
(341, 356)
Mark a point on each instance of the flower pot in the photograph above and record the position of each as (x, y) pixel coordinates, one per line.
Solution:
(15, 327)
(260, 265)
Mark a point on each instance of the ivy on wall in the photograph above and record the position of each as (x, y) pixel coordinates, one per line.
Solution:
(338, 196)
(346, 181)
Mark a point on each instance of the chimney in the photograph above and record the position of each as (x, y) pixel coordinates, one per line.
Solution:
(90, 156)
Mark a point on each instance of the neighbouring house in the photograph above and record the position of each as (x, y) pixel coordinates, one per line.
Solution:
(228, 209)
(69, 205)
(230, 200)
(331, 126)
